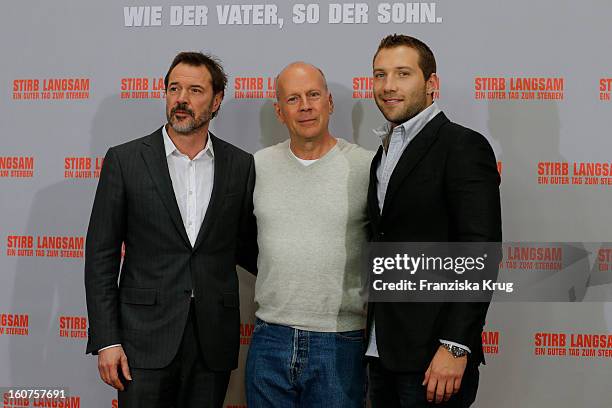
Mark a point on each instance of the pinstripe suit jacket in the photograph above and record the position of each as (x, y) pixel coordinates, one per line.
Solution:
(145, 308)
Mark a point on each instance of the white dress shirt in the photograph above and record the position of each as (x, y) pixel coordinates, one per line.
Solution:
(192, 181)
(399, 138)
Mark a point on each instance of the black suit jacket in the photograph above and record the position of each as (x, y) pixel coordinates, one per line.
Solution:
(445, 188)
(146, 311)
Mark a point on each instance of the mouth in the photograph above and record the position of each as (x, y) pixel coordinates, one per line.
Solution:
(180, 114)
(392, 101)
(307, 121)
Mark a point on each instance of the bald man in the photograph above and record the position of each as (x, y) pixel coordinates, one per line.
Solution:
(310, 202)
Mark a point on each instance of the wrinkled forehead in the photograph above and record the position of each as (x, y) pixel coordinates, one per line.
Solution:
(299, 77)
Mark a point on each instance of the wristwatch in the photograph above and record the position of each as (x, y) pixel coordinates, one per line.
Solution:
(454, 350)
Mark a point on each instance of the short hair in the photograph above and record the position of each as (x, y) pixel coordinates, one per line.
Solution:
(198, 59)
(427, 61)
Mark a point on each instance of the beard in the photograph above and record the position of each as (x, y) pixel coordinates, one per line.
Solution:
(191, 124)
(414, 103)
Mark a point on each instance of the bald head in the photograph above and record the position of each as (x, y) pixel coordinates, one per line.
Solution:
(296, 70)
(303, 102)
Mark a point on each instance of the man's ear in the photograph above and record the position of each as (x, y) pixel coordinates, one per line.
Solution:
(278, 113)
(217, 101)
(433, 84)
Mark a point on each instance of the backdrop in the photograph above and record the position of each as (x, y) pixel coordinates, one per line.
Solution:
(534, 77)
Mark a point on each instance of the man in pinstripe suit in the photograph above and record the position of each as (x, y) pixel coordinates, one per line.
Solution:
(167, 334)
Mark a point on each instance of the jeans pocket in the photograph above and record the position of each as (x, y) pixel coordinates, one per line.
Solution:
(354, 335)
(259, 324)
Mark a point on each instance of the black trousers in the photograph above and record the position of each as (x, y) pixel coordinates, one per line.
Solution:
(389, 389)
(186, 382)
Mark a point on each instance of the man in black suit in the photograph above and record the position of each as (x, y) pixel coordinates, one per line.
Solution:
(167, 334)
(431, 181)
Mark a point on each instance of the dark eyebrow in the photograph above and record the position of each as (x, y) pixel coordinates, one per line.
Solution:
(400, 67)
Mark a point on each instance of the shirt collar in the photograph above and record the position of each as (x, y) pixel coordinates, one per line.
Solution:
(412, 126)
(170, 147)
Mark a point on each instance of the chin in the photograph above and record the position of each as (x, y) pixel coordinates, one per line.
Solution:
(308, 136)
(183, 129)
(390, 118)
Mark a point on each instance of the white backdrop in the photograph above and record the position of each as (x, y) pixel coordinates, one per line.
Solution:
(80, 76)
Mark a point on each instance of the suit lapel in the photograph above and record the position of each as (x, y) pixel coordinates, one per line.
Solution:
(373, 207)
(222, 169)
(415, 151)
(157, 164)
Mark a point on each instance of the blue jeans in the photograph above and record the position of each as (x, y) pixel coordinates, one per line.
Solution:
(287, 367)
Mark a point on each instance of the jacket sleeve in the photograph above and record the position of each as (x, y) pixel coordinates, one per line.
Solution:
(472, 190)
(105, 235)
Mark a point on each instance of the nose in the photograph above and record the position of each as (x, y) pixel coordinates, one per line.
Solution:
(182, 96)
(305, 103)
(389, 85)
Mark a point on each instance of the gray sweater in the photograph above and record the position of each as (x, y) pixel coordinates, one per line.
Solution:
(311, 223)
